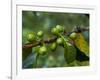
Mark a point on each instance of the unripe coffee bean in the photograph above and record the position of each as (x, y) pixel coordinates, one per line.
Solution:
(53, 46)
(40, 34)
(59, 41)
(31, 37)
(59, 28)
(54, 31)
(43, 50)
(73, 35)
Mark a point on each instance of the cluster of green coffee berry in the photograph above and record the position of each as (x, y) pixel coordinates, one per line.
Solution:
(32, 37)
(42, 49)
(57, 31)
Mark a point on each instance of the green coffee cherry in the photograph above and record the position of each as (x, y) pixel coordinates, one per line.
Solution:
(73, 35)
(53, 46)
(36, 49)
(54, 31)
(59, 41)
(40, 33)
(43, 50)
(59, 28)
(31, 37)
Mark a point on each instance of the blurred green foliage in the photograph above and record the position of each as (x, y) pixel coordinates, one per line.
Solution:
(33, 21)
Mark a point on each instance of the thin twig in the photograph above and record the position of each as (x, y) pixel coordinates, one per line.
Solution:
(50, 40)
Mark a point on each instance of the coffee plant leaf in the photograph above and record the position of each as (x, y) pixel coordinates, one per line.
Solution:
(69, 53)
(82, 44)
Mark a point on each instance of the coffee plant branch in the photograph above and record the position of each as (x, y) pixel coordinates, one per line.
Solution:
(53, 39)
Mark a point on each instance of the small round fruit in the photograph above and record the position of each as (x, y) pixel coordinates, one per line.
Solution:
(54, 31)
(31, 37)
(40, 34)
(59, 28)
(53, 46)
(73, 35)
(59, 41)
(42, 50)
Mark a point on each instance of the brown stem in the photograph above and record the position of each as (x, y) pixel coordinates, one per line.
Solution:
(50, 40)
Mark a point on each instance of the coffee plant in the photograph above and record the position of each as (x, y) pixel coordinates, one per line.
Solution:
(75, 47)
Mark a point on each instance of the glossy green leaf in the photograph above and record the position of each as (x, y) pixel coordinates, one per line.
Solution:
(80, 56)
(69, 53)
(82, 44)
